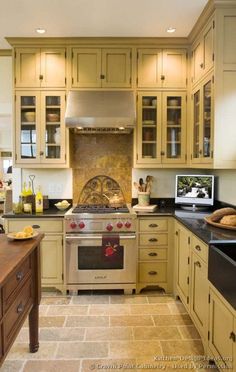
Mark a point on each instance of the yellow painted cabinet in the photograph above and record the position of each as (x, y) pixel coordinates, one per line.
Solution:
(40, 67)
(40, 136)
(101, 68)
(161, 132)
(157, 68)
(51, 260)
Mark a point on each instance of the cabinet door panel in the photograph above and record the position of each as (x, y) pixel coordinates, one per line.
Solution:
(116, 68)
(51, 259)
(208, 49)
(86, 67)
(27, 71)
(174, 68)
(53, 68)
(149, 68)
(183, 259)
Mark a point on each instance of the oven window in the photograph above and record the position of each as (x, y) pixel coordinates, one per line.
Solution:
(100, 258)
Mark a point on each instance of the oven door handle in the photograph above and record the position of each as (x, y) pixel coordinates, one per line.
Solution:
(96, 237)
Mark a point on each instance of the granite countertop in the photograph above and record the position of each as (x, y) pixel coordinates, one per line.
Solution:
(47, 213)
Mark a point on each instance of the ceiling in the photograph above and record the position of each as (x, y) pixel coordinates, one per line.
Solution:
(65, 18)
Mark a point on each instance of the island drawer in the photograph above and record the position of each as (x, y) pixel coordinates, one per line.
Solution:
(17, 278)
(152, 272)
(152, 254)
(153, 239)
(153, 225)
(43, 225)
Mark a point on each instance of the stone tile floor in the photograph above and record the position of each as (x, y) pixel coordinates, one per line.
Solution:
(110, 331)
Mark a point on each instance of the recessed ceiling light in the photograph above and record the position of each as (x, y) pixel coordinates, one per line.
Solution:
(40, 30)
(171, 29)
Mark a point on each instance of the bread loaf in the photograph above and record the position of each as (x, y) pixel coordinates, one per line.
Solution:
(228, 220)
(217, 215)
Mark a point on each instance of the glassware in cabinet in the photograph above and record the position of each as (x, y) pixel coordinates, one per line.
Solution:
(53, 119)
(149, 126)
(173, 126)
(28, 132)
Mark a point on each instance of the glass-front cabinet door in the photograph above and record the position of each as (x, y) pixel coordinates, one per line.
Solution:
(207, 121)
(174, 128)
(196, 125)
(149, 128)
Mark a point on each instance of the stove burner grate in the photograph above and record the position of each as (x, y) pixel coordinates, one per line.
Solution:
(99, 208)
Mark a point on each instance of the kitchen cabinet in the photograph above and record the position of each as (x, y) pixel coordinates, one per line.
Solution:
(203, 53)
(40, 134)
(202, 129)
(40, 67)
(161, 132)
(51, 251)
(101, 67)
(160, 68)
(153, 258)
(222, 334)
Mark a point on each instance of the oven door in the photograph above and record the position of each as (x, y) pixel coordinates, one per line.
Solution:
(88, 260)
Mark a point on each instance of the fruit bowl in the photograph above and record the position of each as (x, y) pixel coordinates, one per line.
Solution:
(29, 116)
(53, 117)
(62, 206)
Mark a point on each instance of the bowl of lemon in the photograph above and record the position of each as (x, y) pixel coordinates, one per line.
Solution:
(27, 233)
(63, 205)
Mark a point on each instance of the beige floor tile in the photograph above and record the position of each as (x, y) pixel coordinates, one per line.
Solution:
(107, 334)
(76, 350)
(104, 364)
(43, 310)
(157, 363)
(90, 299)
(52, 366)
(55, 300)
(180, 319)
(182, 348)
(156, 333)
(177, 308)
(150, 309)
(114, 309)
(189, 332)
(160, 299)
(128, 299)
(20, 351)
(61, 334)
(204, 366)
(12, 366)
(68, 310)
(134, 349)
(23, 335)
(49, 292)
(51, 321)
(87, 321)
(131, 320)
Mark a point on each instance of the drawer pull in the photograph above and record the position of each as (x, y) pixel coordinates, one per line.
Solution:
(19, 275)
(153, 240)
(153, 225)
(232, 336)
(36, 226)
(198, 248)
(20, 308)
(198, 264)
(152, 272)
(152, 254)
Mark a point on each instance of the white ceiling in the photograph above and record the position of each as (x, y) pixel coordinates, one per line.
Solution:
(148, 18)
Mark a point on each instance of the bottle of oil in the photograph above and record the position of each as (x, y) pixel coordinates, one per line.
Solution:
(39, 201)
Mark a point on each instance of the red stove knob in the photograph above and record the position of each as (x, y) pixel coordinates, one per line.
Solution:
(73, 225)
(127, 224)
(81, 225)
(119, 225)
(109, 227)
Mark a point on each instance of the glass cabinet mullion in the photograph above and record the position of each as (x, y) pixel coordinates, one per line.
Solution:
(149, 126)
(173, 135)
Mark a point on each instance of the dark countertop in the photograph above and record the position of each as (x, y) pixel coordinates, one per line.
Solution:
(47, 213)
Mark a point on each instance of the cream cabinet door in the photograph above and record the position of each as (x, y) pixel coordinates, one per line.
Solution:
(183, 263)
(86, 67)
(199, 294)
(197, 61)
(174, 68)
(53, 68)
(116, 68)
(149, 68)
(27, 67)
(51, 259)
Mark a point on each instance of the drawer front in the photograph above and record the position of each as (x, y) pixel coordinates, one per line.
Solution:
(0, 305)
(152, 272)
(152, 254)
(200, 248)
(1, 344)
(15, 281)
(16, 313)
(154, 240)
(153, 225)
(47, 226)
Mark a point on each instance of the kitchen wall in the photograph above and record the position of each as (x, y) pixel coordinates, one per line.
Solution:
(226, 185)
(99, 154)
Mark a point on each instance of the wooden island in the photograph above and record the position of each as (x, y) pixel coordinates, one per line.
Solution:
(20, 290)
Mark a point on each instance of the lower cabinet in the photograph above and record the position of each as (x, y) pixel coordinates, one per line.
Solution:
(51, 252)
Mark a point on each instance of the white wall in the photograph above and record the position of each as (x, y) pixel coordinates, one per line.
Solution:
(226, 185)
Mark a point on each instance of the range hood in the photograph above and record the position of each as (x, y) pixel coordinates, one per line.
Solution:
(101, 111)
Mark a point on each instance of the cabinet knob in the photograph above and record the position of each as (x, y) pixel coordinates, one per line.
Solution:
(153, 225)
(102, 76)
(200, 152)
(232, 336)
(19, 275)
(201, 65)
(36, 226)
(198, 248)
(41, 153)
(152, 254)
(198, 264)
(162, 153)
(20, 308)
(40, 77)
(152, 272)
(153, 240)
(162, 77)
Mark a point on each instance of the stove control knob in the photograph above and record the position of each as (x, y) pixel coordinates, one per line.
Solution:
(119, 225)
(81, 225)
(73, 225)
(109, 227)
(128, 224)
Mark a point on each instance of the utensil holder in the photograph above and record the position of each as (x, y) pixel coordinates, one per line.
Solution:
(143, 198)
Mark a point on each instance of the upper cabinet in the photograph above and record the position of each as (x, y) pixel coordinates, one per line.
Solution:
(157, 68)
(101, 67)
(203, 53)
(40, 67)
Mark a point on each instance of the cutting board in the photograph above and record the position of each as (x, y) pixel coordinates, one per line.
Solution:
(146, 208)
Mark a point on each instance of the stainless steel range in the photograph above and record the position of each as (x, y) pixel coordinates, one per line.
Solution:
(100, 248)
